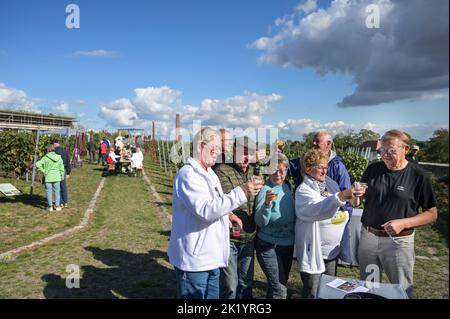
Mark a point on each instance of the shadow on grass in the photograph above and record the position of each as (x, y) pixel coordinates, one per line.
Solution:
(261, 286)
(37, 201)
(130, 275)
(163, 203)
(167, 193)
(165, 233)
(164, 184)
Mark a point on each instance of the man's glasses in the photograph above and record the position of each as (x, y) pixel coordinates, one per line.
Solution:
(211, 148)
(390, 151)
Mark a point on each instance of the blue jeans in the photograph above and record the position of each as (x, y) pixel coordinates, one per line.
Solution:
(237, 279)
(198, 284)
(64, 193)
(311, 281)
(49, 189)
(276, 262)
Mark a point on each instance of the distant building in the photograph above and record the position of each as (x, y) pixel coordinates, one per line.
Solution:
(14, 120)
(373, 145)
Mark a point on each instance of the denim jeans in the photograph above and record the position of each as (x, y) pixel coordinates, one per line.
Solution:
(51, 188)
(64, 193)
(276, 262)
(198, 285)
(237, 279)
(102, 157)
(311, 281)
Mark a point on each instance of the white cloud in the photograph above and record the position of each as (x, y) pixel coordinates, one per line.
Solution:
(100, 53)
(244, 111)
(162, 103)
(307, 6)
(118, 113)
(405, 59)
(295, 128)
(64, 109)
(155, 102)
(16, 99)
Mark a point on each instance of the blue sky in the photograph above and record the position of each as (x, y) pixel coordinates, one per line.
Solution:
(206, 56)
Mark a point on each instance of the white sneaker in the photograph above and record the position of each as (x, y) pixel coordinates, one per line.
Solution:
(50, 209)
(58, 208)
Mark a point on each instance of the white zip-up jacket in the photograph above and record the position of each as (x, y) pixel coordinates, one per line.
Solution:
(200, 239)
(310, 209)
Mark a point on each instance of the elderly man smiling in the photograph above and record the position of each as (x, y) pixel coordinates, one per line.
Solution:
(396, 190)
(199, 242)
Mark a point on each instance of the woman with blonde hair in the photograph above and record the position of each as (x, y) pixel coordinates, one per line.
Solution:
(321, 219)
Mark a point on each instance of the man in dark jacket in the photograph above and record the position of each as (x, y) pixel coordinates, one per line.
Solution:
(91, 146)
(236, 280)
(67, 168)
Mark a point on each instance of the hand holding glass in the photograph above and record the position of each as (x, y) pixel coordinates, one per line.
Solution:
(359, 189)
(270, 197)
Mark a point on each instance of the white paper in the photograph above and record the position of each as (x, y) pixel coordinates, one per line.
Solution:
(346, 286)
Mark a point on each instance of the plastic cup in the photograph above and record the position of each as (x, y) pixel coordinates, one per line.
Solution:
(359, 189)
(236, 230)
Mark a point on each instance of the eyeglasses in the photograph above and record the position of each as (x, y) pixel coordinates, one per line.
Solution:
(281, 171)
(211, 147)
(390, 151)
(321, 167)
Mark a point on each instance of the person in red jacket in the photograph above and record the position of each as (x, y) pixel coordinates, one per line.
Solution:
(103, 151)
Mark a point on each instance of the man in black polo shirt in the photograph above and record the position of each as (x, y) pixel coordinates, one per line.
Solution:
(396, 190)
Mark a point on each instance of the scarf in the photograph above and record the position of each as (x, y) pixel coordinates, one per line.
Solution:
(322, 188)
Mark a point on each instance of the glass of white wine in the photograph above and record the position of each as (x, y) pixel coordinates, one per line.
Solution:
(359, 189)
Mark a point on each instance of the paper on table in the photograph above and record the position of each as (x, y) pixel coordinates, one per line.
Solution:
(346, 286)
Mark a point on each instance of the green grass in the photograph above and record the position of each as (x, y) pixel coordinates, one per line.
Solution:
(123, 252)
(121, 255)
(26, 219)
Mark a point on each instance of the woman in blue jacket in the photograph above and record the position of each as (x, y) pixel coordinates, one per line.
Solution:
(275, 217)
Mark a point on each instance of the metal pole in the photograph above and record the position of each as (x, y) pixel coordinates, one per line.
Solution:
(159, 154)
(164, 156)
(182, 151)
(168, 158)
(33, 175)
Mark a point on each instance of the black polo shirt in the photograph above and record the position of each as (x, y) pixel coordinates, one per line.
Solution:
(395, 194)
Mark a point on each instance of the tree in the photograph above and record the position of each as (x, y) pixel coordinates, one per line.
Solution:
(436, 149)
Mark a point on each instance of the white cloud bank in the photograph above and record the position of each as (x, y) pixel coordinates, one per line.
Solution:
(15, 99)
(163, 103)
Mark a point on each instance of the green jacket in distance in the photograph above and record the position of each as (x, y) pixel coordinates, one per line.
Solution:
(52, 166)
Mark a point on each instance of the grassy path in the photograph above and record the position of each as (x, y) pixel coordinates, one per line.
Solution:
(25, 219)
(121, 255)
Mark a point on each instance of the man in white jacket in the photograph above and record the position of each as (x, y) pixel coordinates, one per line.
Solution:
(199, 241)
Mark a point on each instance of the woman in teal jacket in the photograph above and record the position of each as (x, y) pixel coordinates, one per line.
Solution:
(53, 168)
(275, 217)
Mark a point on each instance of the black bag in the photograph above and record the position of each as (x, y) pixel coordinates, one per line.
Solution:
(363, 295)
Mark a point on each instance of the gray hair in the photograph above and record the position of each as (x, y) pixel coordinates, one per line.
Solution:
(204, 136)
(275, 161)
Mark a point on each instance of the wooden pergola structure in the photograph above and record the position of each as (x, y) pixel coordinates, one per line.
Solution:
(14, 120)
